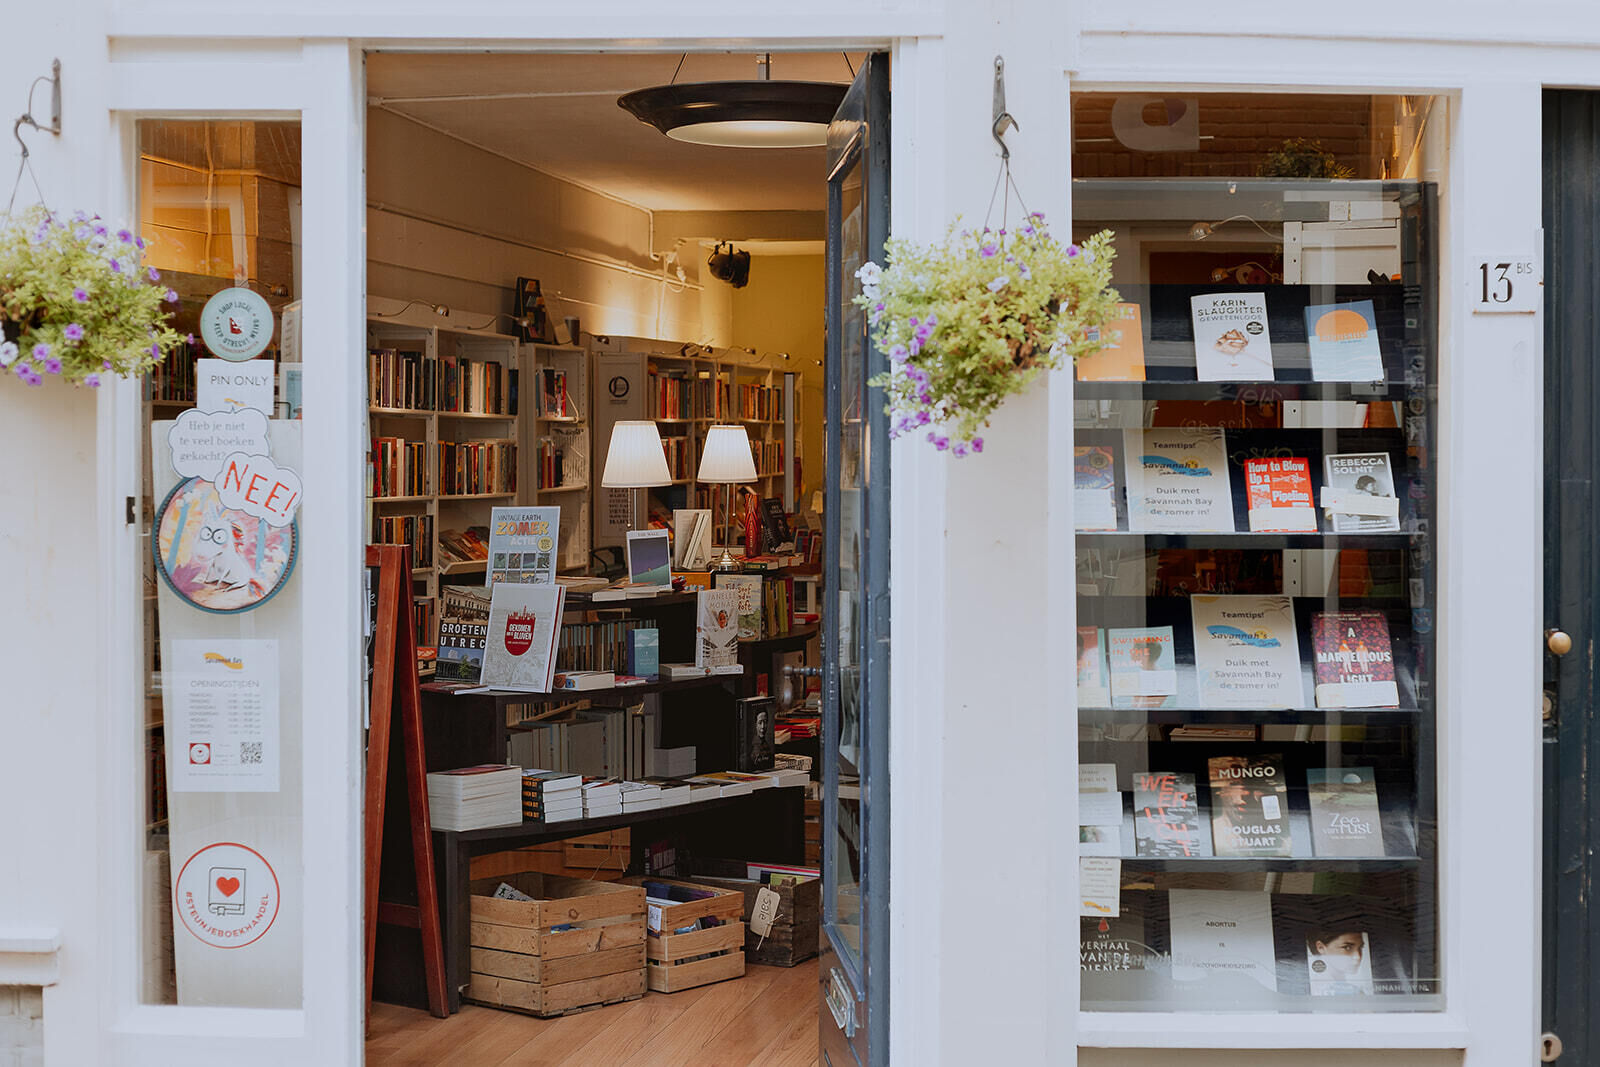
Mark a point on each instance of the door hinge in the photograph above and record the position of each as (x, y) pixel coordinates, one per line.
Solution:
(1549, 1047)
(131, 519)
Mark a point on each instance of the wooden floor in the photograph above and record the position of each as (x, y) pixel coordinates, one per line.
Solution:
(768, 1018)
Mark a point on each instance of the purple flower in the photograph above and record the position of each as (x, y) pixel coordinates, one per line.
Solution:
(960, 449)
(92, 381)
(999, 283)
(172, 296)
(898, 353)
(933, 320)
(105, 364)
(138, 243)
(73, 332)
(116, 267)
(925, 397)
(41, 351)
(8, 353)
(81, 233)
(155, 350)
(80, 216)
(189, 338)
(1072, 251)
(1002, 233)
(977, 444)
(125, 237)
(923, 418)
(53, 365)
(989, 251)
(1028, 231)
(81, 295)
(1024, 272)
(153, 274)
(941, 443)
(100, 230)
(1037, 216)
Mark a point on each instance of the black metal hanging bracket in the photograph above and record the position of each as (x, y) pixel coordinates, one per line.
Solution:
(27, 118)
(1003, 119)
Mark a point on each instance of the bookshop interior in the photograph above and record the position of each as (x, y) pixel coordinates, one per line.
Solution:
(597, 429)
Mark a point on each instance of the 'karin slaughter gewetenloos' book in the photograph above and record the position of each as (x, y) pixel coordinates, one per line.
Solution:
(1231, 340)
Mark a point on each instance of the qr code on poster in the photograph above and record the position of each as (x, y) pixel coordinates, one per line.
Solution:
(249, 751)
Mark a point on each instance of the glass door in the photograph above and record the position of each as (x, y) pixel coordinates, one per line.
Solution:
(854, 962)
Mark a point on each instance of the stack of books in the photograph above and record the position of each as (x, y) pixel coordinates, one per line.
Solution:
(601, 796)
(672, 791)
(639, 796)
(472, 798)
(551, 796)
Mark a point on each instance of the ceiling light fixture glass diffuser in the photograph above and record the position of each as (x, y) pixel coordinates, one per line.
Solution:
(742, 114)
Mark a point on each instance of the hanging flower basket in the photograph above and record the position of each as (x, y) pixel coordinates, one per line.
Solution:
(77, 301)
(974, 319)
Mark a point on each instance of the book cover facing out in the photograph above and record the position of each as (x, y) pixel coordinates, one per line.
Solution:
(644, 652)
(747, 587)
(1231, 340)
(1249, 806)
(1353, 660)
(1344, 811)
(1108, 945)
(1360, 486)
(716, 628)
(1222, 936)
(1246, 652)
(1339, 963)
(1343, 339)
(1094, 681)
(1094, 488)
(1122, 360)
(522, 544)
(523, 623)
(1144, 669)
(1166, 815)
(1178, 480)
(1279, 494)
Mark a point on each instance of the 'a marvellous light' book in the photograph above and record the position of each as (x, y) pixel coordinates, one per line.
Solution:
(1358, 492)
(1094, 680)
(1279, 494)
(1231, 339)
(1343, 339)
(1222, 936)
(1094, 485)
(522, 544)
(1344, 811)
(1249, 806)
(1144, 667)
(1122, 360)
(1166, 815)
(1246, 652)
(1353, 660)
(524, 622)
(1339, 963)
(1178, 481)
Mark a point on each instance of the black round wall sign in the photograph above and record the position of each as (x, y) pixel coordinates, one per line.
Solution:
(618, 387)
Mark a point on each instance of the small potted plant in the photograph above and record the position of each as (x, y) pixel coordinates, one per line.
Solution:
(77, 301)
(973, 319)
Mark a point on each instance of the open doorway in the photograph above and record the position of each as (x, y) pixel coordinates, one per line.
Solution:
(546, 276)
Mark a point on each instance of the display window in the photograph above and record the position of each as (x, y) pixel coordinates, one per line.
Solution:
(1255, 479)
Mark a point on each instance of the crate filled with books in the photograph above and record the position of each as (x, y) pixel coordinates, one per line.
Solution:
(1254, 494)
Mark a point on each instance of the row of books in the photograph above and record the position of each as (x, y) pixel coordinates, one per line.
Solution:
(552, 464)
(678, 395)
(769, 458)
(413, 530)
(477, 386)
(398, 468)
(552, 796)
(1233, 341)
(397, 379)
(424, 616)
(599, 646)
(1246, 655)
(1181, 572)
(174, 377)
(1249, 809)
(1178, 482)
(470, 468)
(765, 603)
(762, 403)
(680, 457)
(554, 400)
(1286, 943)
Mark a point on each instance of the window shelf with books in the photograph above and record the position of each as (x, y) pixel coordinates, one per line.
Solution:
(1254, 497)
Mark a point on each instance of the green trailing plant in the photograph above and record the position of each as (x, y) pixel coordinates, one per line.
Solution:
(1300, 157)
(78, 302)
(975, 318)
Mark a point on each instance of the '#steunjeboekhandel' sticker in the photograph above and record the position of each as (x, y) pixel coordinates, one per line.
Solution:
(217, 558)
(226, 894)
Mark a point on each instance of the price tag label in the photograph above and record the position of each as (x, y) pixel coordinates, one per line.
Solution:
(765, 911)
(1503, 283)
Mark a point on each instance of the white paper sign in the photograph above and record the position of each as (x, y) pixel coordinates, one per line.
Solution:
(257, 486)
(201, 441)
(222, 716)
(221, 385)
(1505, 283)
(765, 911)
(1099, 887)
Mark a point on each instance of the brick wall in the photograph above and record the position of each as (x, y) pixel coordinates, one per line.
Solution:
(21, 1026)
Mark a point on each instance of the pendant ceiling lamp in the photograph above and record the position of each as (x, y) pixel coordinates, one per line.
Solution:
(740, 114)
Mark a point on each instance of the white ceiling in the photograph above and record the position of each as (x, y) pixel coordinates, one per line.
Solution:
(559, 113)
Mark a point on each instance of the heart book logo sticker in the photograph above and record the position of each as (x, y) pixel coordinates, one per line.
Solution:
(228, 886)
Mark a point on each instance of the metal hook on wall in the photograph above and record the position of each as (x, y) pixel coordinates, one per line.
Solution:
(1003, 119)
(27, 119)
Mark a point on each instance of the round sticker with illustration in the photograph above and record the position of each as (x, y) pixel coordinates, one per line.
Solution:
(226, 894)
(220, 559)
(236, 324)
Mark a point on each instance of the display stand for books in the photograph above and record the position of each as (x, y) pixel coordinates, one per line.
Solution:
(394, 673)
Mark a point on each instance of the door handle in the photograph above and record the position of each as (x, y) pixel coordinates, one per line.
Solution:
(1557, 641)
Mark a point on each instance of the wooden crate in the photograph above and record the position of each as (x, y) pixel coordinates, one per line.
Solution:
(579, 944)
(796, 930)
(671, 962)
(603, 856)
